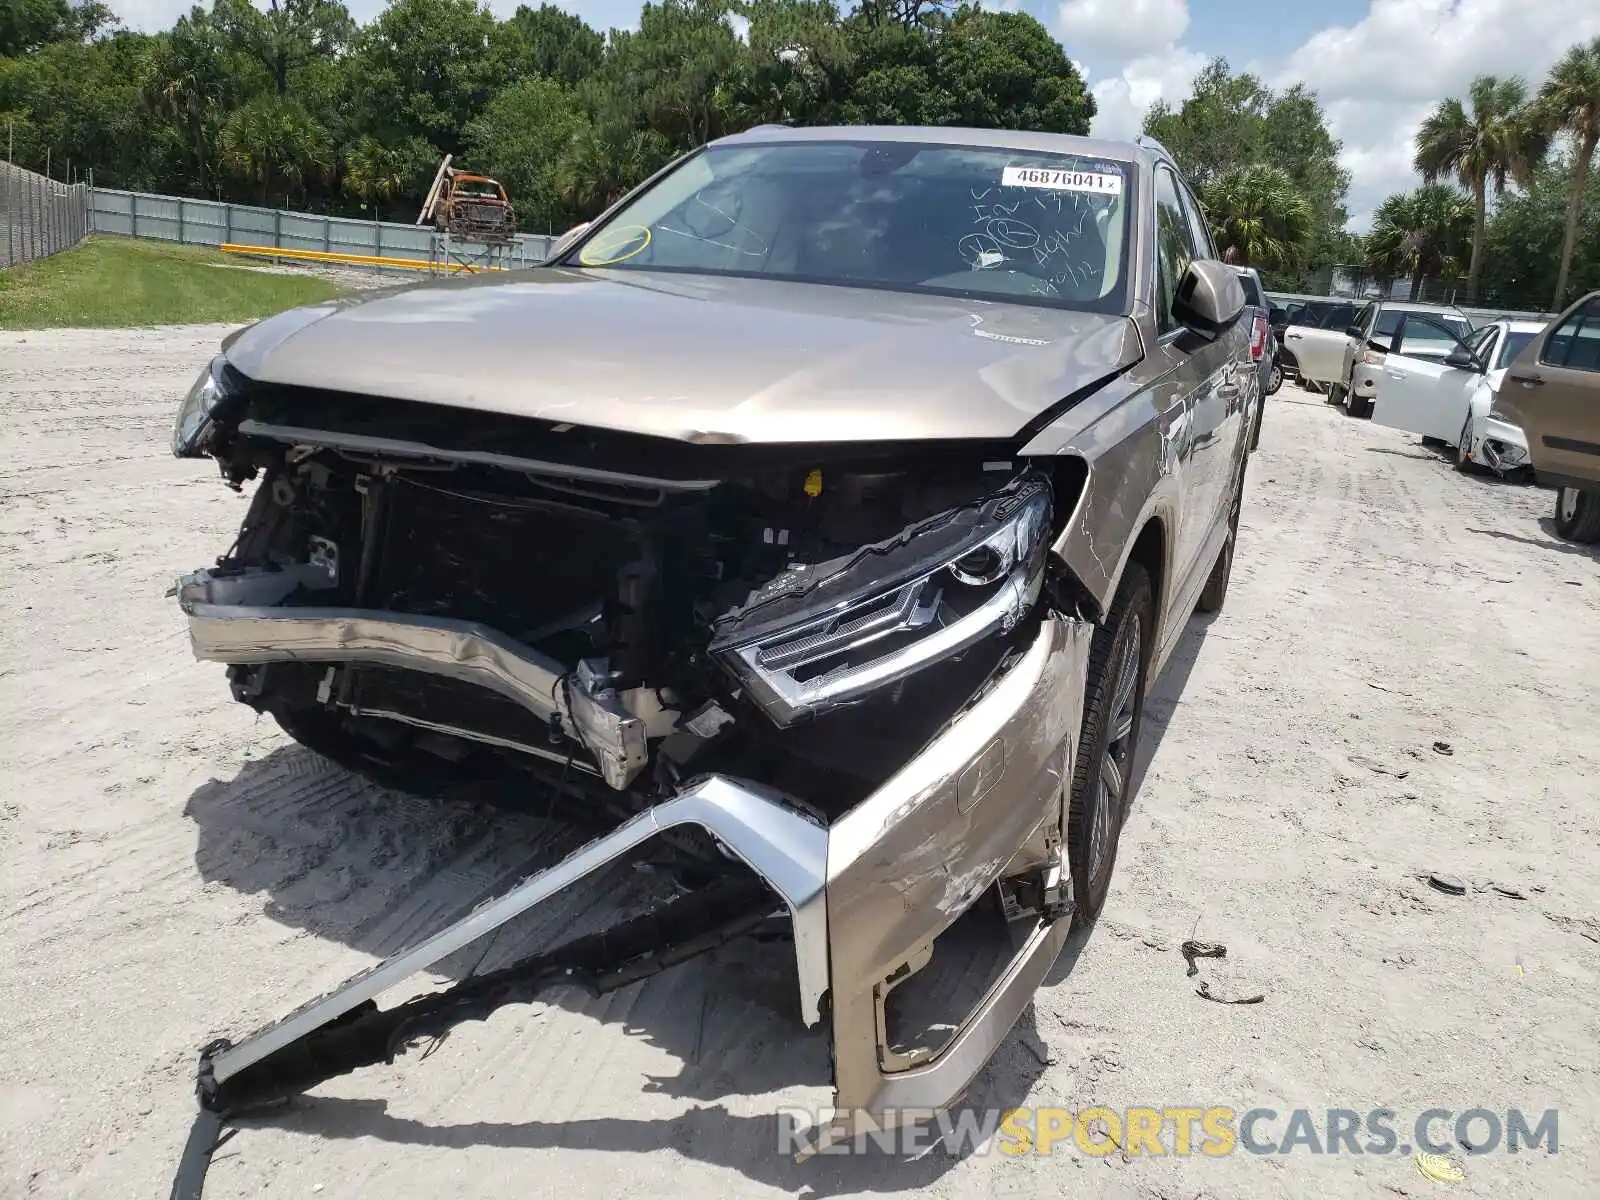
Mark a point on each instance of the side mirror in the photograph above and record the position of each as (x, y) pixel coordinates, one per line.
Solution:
(1210, 297)
(1462, 357)
(564, 242)
(1355, 331)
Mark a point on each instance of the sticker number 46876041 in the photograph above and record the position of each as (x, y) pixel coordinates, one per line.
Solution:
(1062, 181)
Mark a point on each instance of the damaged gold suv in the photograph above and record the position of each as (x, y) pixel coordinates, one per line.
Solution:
(813, 522)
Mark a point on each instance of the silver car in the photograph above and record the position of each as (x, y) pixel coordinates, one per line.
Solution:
(813, 522)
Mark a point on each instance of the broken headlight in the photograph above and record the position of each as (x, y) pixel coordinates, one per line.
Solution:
(192, 426)
(819, 636)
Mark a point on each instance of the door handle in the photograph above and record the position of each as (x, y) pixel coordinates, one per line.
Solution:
(1293, 337)
(1396, 375)
(1529, 380)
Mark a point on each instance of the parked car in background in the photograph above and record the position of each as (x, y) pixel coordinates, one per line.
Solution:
(1263, 350)
(1349, 361)
(1552, 390)
(1451, 399)
(1326, 312)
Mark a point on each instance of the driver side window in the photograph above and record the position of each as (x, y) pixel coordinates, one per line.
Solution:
(1175, 248)
(1481, 342)
(1421, 335)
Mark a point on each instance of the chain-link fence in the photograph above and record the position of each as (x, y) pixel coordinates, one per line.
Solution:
(39, 216)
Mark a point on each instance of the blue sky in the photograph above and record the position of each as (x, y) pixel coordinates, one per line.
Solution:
(1378, 66)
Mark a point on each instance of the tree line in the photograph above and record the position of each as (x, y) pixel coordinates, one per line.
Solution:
(298, 105)
(1543, 142)
(1269, 178)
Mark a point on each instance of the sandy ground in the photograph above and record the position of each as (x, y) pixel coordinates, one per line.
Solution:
(172, 869)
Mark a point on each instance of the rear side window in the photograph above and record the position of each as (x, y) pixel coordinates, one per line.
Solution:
(1513, 345)
(1575, 344)
(1339, 316)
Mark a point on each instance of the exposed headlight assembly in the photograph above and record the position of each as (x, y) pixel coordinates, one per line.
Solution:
(191, 429)
(824, 635)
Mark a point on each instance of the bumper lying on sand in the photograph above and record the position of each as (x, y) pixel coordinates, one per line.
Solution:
(867, 896)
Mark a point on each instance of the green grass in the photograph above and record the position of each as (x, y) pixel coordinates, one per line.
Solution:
(115, 282)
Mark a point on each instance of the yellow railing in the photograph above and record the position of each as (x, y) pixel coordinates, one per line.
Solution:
(362, 260)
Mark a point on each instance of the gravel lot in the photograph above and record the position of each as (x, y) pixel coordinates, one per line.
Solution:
(172, 869)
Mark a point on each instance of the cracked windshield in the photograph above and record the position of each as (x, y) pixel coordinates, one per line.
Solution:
(1044, 229)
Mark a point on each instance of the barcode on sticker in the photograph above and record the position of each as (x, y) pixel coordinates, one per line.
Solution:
(1105, 183)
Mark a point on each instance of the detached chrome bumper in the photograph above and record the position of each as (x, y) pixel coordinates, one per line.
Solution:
(867, 896)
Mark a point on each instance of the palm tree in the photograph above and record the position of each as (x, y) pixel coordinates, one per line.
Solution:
(1259, 217)
(1419, 234)
(266, 140)
(600, 165)
(1569, 102)
(379, 175)
(1496, 140)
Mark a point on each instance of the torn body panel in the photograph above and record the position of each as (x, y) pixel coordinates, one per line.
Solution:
(729, 662)
(1163, 453)
(915, 856)
(866, 897)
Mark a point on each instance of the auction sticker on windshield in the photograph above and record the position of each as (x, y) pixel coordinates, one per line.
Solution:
(1106, 183)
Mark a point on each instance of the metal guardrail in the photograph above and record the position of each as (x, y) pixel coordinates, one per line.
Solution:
(334, 258)
(218, 223)
(39, 216)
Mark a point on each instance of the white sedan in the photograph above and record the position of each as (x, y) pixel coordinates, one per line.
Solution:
(1452, 400)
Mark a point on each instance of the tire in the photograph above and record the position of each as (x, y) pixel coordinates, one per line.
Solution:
(1334, 394)
(326, 734)
(1113, 714)
(1464, 461)
(1274, 378)
(1357, 407)
(1215, 593)
(1578, 514)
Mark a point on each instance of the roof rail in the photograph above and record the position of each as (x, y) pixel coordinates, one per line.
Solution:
(1150, 143)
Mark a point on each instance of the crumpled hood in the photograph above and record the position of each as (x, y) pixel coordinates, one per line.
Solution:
(697, 358)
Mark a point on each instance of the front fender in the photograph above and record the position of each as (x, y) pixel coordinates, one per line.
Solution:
(1132, 478)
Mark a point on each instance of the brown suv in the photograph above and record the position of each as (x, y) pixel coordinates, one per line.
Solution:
(1552, 390)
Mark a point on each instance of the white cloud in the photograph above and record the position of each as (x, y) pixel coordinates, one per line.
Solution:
(1122, 100)
(1378, 79)
(1121, 29)
(1144, 37)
